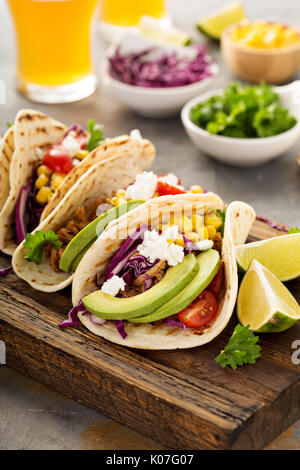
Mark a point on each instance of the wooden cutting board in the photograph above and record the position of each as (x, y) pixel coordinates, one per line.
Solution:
(182, 399)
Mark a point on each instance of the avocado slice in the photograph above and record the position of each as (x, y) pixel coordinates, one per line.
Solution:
(79, 245)
(114, 308)
(209, 263)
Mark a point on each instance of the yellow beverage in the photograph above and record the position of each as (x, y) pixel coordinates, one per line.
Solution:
(53, 40)
(129, 12)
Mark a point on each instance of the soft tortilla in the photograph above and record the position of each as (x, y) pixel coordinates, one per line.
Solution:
(31, 129)
(100, 181)
(240, 217)
(6, 153)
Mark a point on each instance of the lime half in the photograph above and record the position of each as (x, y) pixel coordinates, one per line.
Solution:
(264, 303)
(214, 24)
(152, 28)
(281, 255)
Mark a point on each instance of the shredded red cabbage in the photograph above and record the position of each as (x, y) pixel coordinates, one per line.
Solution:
(127, 245)
(97, 320)
(5, 271)
(272, 224)
(148, 282)
(135, 267)
(188, 245)
(171, 322)
(22, 215)
(167, 70)
(72, 319)
(121, 328)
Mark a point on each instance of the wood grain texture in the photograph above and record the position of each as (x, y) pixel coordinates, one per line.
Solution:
(182, 399)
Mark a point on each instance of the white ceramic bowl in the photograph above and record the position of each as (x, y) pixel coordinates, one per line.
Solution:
(159, 102)
(245, 152)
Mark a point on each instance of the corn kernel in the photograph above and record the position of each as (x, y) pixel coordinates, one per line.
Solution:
(43, 195)
(203, 232)
(184, 224)
(179, 241)
(121, 193)
(213, 220)
(41, 181)
(196, 189)
(197, 222)
(43, 170)
(113, 200)
(193, 236)
(211, 231)
(81, 154)
(56, 180)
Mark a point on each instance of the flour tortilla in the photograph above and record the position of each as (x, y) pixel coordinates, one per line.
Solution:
(102, 180)
(19, 158)
(239, 219)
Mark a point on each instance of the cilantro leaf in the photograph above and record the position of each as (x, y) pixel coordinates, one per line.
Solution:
(96, 135)
(240, 349)
(9, 124)
(35, 243)
(294, 230)
(222, 215)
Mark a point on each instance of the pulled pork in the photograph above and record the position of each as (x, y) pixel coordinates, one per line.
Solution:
(156, 273)
(218, 242)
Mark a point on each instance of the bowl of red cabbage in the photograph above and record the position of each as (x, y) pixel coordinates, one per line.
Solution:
(155, 80)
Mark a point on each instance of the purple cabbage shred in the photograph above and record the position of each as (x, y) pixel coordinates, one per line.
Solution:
(72, 319)
(121, 328)
(171, 322)
(5, 271)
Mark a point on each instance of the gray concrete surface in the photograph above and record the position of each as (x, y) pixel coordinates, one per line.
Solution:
(32, 416)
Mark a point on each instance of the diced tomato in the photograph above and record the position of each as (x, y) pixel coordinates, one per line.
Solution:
(165, 189)
(200, 312)
(217, 283)
(58, 160)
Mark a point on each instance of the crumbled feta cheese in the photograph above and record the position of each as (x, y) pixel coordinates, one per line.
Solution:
(170, 179)
(136, 134)
(113, 285)
(202, 245)
(155, 246)
(143, 187)
(171, 233)
(71, 145)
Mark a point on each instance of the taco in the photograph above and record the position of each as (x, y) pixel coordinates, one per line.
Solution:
(41, 159)
(163, 276)
(92, 202)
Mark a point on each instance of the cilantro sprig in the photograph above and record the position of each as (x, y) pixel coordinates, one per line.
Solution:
(96, 135)
(294, 230)
(35, 243)
(240, 349)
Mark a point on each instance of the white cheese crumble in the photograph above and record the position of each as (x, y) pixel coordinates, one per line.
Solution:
(113, 285)
(155, 246)
(39, 152)
(202, 245)
(171, 233)
(170, 179)
(71, 145)
(136, 134)
(143, 187)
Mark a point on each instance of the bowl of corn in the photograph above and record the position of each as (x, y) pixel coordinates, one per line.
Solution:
(261, 51)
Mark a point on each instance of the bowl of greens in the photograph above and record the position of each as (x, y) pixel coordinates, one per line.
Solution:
(244, 125)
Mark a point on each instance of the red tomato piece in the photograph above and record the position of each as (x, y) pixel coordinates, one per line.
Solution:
(165, 189)
(58, 160)
(201, 311)
(82, 139)
(217, 283)
(178, 179)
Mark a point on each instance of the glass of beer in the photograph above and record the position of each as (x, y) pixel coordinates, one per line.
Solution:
(119, 14)
(54, 53)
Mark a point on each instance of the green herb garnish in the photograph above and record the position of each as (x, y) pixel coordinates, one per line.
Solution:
(243, 111)
(9, 124)
(240, 349)
(36, 241)
(294, 230)
(222, 215)
(96, 135)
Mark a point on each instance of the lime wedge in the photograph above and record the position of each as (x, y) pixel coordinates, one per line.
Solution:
(214, 24)
(264, 303)
(281, 255)
(153, 29)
